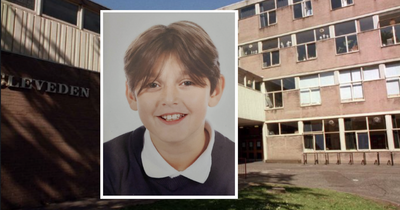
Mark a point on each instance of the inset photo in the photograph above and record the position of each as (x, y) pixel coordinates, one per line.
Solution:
(168, 106)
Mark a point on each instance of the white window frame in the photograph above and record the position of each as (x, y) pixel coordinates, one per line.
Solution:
(344, 3)
(280, 129)
(270, 57)
(394, 32)
(306, 48)
(351, 84)
(272, 100)
(303, 9)
(242, 53)
(347, 44)
(391, 78)
(268, 15)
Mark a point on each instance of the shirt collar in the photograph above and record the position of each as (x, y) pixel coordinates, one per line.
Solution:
(156, 167)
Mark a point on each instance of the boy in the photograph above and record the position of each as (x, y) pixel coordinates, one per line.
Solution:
(172, 77)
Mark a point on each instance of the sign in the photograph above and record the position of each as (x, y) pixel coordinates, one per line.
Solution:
(41, 85)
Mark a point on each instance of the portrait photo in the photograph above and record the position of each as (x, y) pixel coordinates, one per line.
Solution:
(168, 104)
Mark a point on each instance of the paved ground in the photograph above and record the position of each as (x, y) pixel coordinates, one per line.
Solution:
(376, 182)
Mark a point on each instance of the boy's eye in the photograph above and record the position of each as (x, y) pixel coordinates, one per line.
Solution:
(153, 85)
(187, 83)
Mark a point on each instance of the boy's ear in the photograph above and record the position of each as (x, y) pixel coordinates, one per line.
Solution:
(130, 96)
(217, 94)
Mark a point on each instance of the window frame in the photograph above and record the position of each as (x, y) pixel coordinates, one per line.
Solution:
(242, 52)
(346, 37)
(279, 124)
(267, 12)
(368, 131)
(391, 78)
(351, 84)
(306, 48)
(240, 12)
(341, 4)
(79, 16)
(303, 9)
(395, 129)
(323, 133)
(281, 91)
(394, 35)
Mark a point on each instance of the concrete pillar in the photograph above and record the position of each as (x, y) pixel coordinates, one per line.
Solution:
(264, 139)
(342, 135)
(389, 132)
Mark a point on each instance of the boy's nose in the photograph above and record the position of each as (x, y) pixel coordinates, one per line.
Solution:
(170, 96)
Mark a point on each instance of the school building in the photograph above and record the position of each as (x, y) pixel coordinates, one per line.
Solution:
(50, 101)
(319, 80)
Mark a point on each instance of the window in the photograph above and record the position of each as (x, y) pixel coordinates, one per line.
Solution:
(390, 29)
(282, 3)
(306, 51)
(321, 135)
(282, 128)
(396, 130)
(322, 33)
(309, 90)
(366, 23)
(274, 89)
(371, 73)
(268, 13)
(365, 133)
(247, 12)
(271, 54)
(62, 10)
(30, 4)
(249, 49)
(91, 21)
(351, 85)
(285, 41)
(340, 3)
(392, 72)
(346, 38)
(302, 8)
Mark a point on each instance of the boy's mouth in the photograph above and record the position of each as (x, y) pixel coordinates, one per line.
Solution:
(172, 117)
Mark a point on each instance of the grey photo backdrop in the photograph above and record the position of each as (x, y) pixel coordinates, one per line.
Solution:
(119, 29)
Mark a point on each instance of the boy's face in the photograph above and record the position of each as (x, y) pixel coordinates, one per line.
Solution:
(172, 107)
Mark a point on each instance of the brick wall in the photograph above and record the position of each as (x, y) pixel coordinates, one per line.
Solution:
(49, 142)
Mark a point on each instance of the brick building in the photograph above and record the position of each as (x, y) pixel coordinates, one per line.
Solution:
(50, 101)
(319, 79)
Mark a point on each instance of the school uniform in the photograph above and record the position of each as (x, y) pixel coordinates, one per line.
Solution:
(132, 166)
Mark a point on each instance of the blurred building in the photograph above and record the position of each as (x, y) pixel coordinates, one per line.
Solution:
(50, 101)
(327, 75)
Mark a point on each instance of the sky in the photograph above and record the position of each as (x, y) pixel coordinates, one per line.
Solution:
(165, 4)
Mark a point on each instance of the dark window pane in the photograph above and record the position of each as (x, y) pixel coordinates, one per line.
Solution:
(285, 41)
(389, 19)
(311, 51)
(272, 17)
(387, 36)
(396, 138)
(378, 140)
(319, 142)
(288, 83)
(91, 21)
(350, 141)
(336, 4)
(273, 129)
(322, 33)
(396, 120)
(376, 122)
(267, 5)
(295, 1)
(345, 28)
(278, 100)
(247, 12)
(366, 23)
(331, 125)
(397, 32)
(267, 59)
(270, 44)
(273, 85)
(250, 49)
(332, 141)
(301, 53)
(275, 58)
(306, 36)
(289, 128)
(315, 125)
(363, 142)
(282, 3)
(30, 4)
(308, 8)
(258, 86)
(61, 10)
(341, 45)
(307, 126)
(355, 123)
(264, 20)
(308, 142)
(297, 11)
(352, 42)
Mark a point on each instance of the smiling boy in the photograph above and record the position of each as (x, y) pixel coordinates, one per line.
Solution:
(173, 76)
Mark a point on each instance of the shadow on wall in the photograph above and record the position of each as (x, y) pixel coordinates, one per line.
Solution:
(50, 143)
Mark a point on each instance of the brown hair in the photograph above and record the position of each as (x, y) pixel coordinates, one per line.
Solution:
(185, 40)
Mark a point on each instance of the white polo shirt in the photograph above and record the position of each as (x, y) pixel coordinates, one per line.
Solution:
(156, 167)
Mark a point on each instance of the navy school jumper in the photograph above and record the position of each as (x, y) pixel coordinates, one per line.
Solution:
(123, 172)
